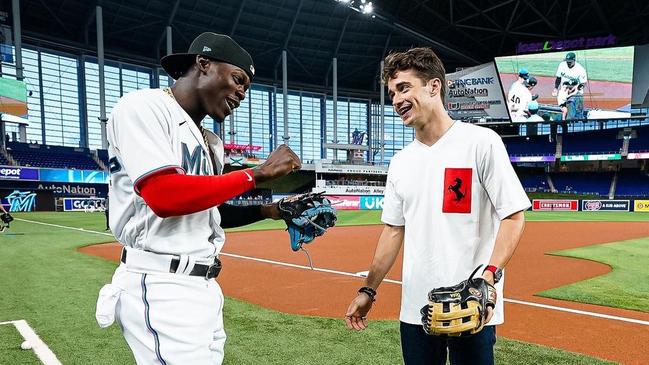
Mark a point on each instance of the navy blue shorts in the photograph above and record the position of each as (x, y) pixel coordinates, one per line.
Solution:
(421, 349)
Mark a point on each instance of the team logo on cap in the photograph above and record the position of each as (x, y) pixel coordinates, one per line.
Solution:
(207, 49)
(252, 69)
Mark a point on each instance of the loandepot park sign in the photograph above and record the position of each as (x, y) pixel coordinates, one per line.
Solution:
(558, 45)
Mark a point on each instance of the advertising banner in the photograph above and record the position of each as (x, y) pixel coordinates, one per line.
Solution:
(74, 176)
(475, 92)
(350, 190)
(605, 205)
(25, 200)
(601, 157)
(83, 204)
(641, 205)
(555, 205)
(59, 189)
(638, 156)
(532, 158)
(350, 169)
(18, 173)
(344, 202)
(371, 202)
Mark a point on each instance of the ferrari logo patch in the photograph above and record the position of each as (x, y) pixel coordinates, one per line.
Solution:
(457, 190)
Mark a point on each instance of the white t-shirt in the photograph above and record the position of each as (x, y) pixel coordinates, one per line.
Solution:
(535, 118)
(577, 72)
(149, 131)
(517, 99)
(450, 197)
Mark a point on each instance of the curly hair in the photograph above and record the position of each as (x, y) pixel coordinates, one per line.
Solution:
(422, 60)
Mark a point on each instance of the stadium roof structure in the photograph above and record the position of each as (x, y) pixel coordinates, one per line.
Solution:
(463, 32)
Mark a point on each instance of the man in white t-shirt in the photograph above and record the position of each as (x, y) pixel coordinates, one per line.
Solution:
(167, 196)
(454, 200)
(520, 95)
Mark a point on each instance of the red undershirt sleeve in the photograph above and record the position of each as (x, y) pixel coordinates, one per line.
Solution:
(169, 193)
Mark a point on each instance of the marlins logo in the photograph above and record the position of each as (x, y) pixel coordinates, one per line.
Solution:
(22, 201)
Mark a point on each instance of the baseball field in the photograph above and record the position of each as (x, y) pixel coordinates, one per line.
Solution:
(577, 292)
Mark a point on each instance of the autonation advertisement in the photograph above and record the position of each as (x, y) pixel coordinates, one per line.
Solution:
(475, 92)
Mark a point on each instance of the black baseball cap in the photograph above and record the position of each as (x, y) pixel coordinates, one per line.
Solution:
(218, 47)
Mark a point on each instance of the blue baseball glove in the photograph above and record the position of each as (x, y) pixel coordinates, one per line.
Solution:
(307, 216)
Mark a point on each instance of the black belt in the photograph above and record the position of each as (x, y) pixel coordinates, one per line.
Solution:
(206, 271)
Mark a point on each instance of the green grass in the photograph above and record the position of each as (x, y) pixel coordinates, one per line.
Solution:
(611, 64)
(46, 282)
(586, 216)
(10, 351)
(345, 218)
(627, 286)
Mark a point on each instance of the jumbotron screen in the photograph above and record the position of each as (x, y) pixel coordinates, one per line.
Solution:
(568, 85)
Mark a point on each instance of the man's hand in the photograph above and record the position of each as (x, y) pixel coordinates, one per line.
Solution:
(489, 277)
(281, 162)
(555, 92)
(355, 318)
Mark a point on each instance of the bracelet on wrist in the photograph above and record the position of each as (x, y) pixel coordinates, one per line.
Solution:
(369, 292)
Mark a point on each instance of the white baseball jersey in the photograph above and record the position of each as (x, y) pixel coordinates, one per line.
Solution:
(517, 99)
(565, 92)
(576, 72)
(450, 197)
(165, 318)
(149, 131)
(535, 118)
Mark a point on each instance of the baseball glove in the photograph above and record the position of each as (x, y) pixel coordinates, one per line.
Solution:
(459, 310)
(307, 216)
(7, 218)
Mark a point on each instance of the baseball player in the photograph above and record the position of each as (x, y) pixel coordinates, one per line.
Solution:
(167, 198)
(453, 199)
(519, 97)
(570, 74)
(106, 212)
(533, 108)
(523, 74)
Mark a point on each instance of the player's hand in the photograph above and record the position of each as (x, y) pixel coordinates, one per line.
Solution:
(356, 316)
(281, 162)
(489, 277)
(555, 92)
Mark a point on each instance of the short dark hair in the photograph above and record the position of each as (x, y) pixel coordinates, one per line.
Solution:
(421, 59)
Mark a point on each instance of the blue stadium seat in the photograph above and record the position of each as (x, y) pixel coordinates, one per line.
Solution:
(641, 143)
(51, 156)
(602, 141)
(596, 183)
(530, 146)
(632, 183)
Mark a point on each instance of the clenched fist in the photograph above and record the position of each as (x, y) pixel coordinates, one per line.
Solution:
(281, 162)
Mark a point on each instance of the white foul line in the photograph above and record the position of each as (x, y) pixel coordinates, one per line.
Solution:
(575, 311)
(515, 301)
(43, 352)
(66, 227)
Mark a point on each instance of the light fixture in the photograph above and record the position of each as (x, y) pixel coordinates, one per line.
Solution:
(366, 7)
(361, 6)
